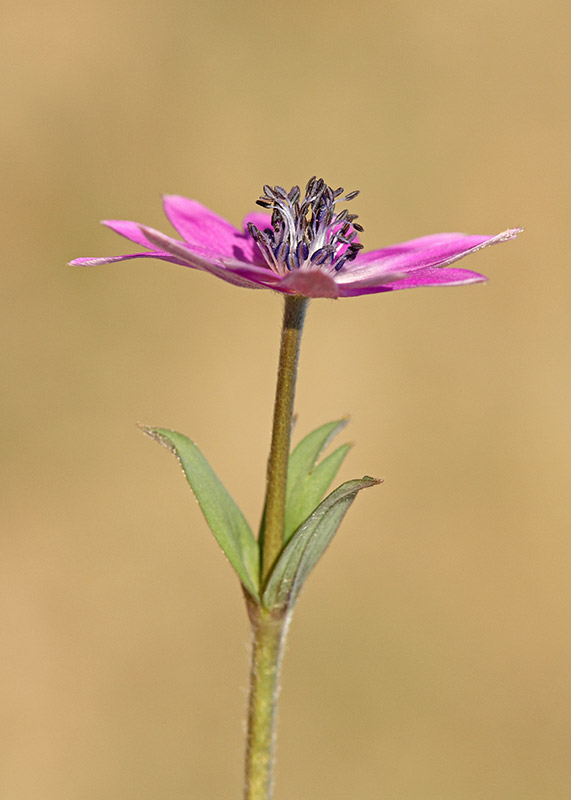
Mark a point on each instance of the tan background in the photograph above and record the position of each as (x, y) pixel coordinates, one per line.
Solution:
(429, 656)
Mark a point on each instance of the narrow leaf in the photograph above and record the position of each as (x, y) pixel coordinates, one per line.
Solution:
(225, 519)
(306, 482)
(308, 544)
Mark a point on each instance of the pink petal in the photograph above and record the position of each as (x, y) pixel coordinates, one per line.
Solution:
(205, 231)
(427, 276)
(258, 274)
(438, 250)
(410, 246)
(259, 219)
(374, 280)
(95, 262)
(130, 230)
(247, 275)
(309, 283)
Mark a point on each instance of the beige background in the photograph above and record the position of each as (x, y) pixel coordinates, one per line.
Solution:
(429, 655)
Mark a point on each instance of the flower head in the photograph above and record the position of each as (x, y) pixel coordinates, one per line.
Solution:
(302, 245)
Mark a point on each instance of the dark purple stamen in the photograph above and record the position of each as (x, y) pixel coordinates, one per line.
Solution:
(307, 232)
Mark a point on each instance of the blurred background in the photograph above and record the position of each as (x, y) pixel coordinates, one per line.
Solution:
(429, 655)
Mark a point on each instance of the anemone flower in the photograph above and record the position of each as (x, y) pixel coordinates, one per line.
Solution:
(300, 246)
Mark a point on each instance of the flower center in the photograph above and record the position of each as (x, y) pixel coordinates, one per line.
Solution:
(307, 233)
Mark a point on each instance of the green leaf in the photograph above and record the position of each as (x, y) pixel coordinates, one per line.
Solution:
(306, 482)
(308, 544)
(225, 519)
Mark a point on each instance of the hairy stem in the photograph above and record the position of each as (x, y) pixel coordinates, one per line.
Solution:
(268, 635)
(268, 629)
(273, 536)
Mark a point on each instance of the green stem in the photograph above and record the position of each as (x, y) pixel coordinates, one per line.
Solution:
(274, 514)
(269, 630)
(268, 635)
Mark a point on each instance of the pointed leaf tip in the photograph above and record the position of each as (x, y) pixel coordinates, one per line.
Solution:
(307, 480)
(223, 516)
(307, 545)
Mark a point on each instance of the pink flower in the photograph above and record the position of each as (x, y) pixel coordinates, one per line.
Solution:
(305, 246)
